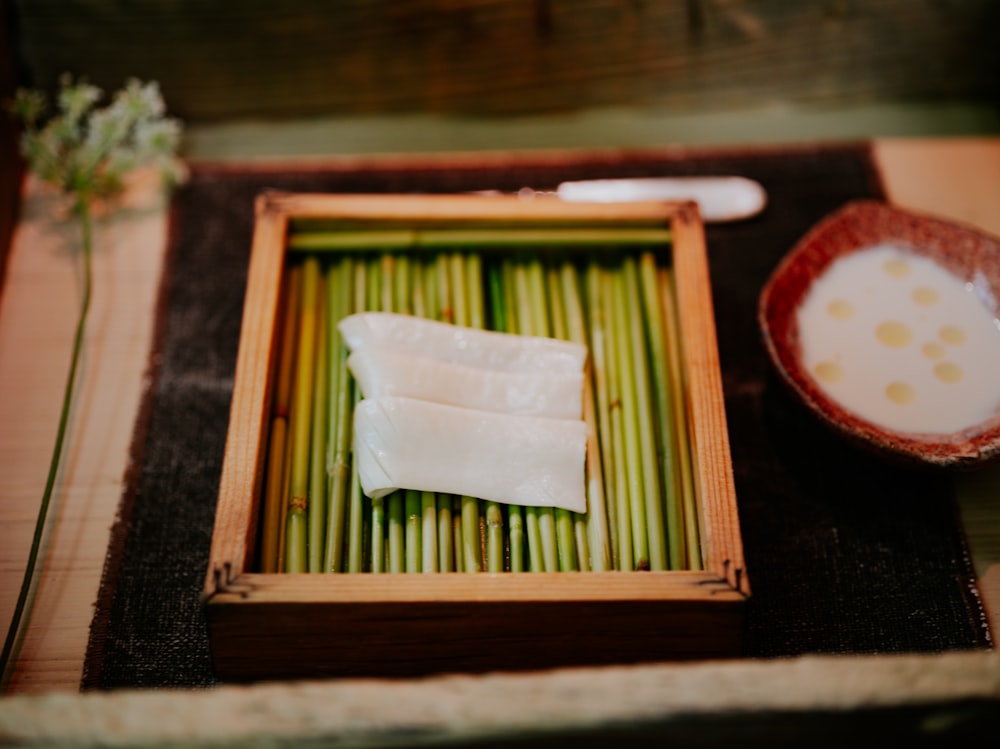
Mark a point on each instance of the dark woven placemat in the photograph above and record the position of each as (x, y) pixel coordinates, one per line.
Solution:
(845, 554)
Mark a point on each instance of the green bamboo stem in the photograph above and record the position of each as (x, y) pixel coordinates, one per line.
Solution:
(318, 438)
(355, 523)
(341, 278)
(571, 536)
(471, 545)
(515, 520)
(681, 433)
(296, 559)
(663, 397)
(630, 406)
(396, 240)
(271, 532)
(558, 540)
(378, 294)
(493, 530)
(617, 423)
(526, 326)
(595, 524)
(356, 514)
(428, 502)
(517, 527)
(597, 326)
(395, 502)
(445, 537)
(644, 425)
(457, 528)
(428, 535)
(414, 526)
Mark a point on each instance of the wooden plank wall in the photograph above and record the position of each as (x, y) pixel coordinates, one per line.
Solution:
(264, 59)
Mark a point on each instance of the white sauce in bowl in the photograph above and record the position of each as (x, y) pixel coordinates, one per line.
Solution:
(901, 342)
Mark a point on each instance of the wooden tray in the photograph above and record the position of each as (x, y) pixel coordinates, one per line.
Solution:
(270, 626)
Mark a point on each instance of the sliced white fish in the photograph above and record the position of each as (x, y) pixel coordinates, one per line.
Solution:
(383, 372)
(471, 347)
(404, 443)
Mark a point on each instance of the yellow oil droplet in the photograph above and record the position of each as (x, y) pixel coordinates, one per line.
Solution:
(925, 296)
(900, 392)
(933, 351)
(829, 371)
(893, 334)
(952, 335)
(840, 309)
(896, 267)
(948, 371)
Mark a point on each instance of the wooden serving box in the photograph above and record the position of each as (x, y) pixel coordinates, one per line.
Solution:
(287, 626)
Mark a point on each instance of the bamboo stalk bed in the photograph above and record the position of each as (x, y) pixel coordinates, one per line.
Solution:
(334, 583)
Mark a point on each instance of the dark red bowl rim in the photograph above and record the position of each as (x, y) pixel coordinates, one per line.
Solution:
(965, 251)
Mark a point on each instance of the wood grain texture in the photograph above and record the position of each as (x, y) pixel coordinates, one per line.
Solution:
(261, 59)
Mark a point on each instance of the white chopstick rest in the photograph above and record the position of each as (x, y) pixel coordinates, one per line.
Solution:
(382, 372)
(471, 347)
(409, 443)
(719, 199)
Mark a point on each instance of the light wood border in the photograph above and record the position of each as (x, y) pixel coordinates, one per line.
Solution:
(287, 626)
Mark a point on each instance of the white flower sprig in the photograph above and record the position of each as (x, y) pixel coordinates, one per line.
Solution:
(87, 150)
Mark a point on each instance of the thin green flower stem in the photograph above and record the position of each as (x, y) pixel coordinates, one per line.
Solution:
(663, 397)
(81, 210)
(691, 531)
(596, 534)
(342, 278)
(296, 540)
(616, 423)
(596, 329)
(318, 438)
(645, 415)
(272, 545)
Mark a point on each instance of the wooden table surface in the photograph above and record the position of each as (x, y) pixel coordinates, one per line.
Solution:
(955, 178)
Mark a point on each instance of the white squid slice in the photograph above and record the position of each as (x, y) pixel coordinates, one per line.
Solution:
(381, 372)
(404, 443)
(470, 347)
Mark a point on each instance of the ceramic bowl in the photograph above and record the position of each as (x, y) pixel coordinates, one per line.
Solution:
(970, 255)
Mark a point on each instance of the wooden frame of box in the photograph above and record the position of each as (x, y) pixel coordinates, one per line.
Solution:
(273, 626)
